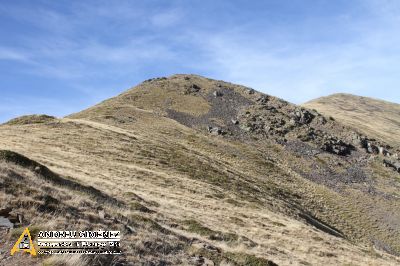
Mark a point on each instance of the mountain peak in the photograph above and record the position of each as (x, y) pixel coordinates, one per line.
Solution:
(370, 116)
(216, 172)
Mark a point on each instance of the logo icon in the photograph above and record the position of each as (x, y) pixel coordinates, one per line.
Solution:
(24, 243)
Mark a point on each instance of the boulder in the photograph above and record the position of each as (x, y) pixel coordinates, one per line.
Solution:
(322, 120)
(308, 136)
(215, 130)
(263, 99)
(5, 223)
(247, 127)
(364, 143)
(217, 93)
(197, 260)
(5, 212)
(302, 116)
(371, 148)
(306, 117)
(130, 229)
(383, 151)
(392, 164)
(337, 147)
(192, 89)
(9, 220)
(155, 79)
(16, 219)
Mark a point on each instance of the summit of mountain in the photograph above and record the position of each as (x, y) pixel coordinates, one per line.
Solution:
(373, 117)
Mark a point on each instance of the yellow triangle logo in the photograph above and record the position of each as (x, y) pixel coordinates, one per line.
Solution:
(24, 243)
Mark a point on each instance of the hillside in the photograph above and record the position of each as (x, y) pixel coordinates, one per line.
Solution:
(370, 116)
(196, 171)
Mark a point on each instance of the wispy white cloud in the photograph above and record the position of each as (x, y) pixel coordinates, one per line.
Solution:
(284, 65)
(98, 48)
(130, 52)
(167, 18)
(10, 54)
(66, 49)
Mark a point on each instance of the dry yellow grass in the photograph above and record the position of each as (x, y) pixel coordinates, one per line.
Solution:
(178, 197)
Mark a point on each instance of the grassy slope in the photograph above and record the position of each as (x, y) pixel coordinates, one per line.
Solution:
(221, 192)
(49, 201)
(370, 116)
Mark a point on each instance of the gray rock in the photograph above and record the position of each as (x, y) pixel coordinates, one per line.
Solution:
(371, 148)
(7, 220)
(234, 121)
(322, 120)
(215, 130)
(192, 89)
(5, 223)
(302, 116)
(197, 260)
(263, 99)
(392, 164)
(337, 147)
(364, 143)
(130, 229)
(306, 117)
(383, 151)
(156, 79)
(246, 127)
(217, 93)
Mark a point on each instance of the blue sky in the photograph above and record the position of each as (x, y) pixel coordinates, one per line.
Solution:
(58, 57)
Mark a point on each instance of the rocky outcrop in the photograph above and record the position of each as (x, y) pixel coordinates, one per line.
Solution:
(373, 147)
(192, 89)
(395, 165)
(336, 146)
(154, 79)
(9, 219)
(277, 119)
(215, 130)
(302, 116)
(31, 119)
(217, 94)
